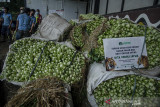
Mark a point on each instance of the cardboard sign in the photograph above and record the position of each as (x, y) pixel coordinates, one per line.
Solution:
(125, 53)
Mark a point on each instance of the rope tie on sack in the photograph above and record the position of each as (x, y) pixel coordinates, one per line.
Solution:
(42, 51)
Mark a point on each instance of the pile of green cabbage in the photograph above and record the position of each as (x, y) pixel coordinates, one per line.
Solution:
(89, 16)
(118, 28)
(92, 25)
(77, 36)
(55, 61)
(122, 88)
(80, 33)
(72, 22)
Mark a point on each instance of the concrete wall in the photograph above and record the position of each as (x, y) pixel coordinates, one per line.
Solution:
(4, 0)
(135, 4)
(114, 6)
(43, 4)
(91, 6)
(102, 7)
(38, 4)
(55, 4)
(158, 1)
(70, 7)
(93, 3)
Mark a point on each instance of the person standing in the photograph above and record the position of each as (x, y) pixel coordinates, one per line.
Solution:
(21, 10)
(1, 14)
(2, 11)
(7, 22)
(22, 26)
(32, 22)
(0, 21)
(38, 18)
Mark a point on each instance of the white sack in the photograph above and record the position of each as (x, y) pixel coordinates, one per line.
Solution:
(67, 43)
(52, 27)
(98, 74)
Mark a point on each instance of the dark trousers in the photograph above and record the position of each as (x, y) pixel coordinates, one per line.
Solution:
(0, 30)
(36, 26)
(20, 34)
(5, 31)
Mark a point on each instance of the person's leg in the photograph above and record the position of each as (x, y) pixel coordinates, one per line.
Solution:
(22, 34)
(9, 34)
(26, 34)
(36, 26)
(18, 34)
(13, 33)
(3, 32)
(0, 31)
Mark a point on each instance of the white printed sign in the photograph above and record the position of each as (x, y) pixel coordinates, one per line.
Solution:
(125, 53)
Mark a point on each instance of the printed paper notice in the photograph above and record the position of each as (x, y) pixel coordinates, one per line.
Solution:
(125, 53)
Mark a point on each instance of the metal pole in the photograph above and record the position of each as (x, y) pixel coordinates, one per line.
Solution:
(122, 5)
(96, 6)
(155, 2)
(47, 6)
(91, 4)
(107, 6)
(62, 4)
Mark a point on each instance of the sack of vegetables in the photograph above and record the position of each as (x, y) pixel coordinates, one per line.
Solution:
(85, 36)
(104, 88)
(119, 28)
(30, 59)
(89, 16)
(45, 92)
(53, 27)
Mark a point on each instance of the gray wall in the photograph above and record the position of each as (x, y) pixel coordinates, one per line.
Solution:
(102, 7)
(4, 0)
(38, 4)
(134, 4)
(55, 4)
(114, 6)
(93, 6)
(69, 6)
(158, 1)
(72, 7)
